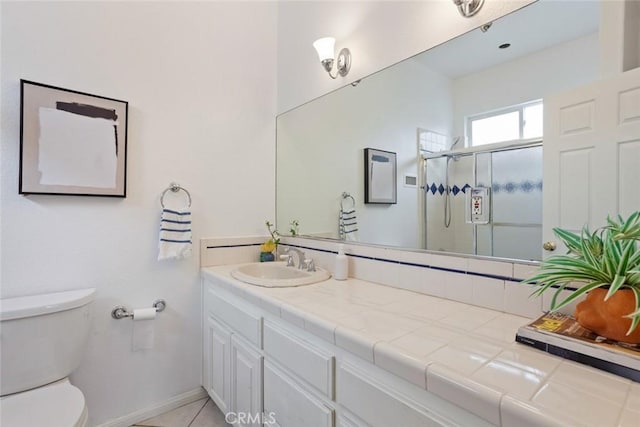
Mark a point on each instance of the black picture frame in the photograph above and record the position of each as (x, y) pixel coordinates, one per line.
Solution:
(380, 177)
(71, 143)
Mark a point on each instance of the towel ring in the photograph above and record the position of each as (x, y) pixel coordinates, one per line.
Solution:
(174, 188)
(346, 195)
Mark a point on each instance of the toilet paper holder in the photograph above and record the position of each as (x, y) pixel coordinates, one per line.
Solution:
(120, 311)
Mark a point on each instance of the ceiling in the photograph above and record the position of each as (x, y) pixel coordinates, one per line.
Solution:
(536, 27)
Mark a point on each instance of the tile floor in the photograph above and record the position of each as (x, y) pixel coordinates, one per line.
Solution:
(201, 413)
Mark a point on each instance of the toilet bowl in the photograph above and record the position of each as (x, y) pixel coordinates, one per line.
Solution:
(55, 405)
(43, 340)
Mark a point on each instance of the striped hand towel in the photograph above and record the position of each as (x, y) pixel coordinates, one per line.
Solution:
(348, 225)
(175, 234)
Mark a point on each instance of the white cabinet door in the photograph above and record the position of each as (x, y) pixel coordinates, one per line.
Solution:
(246, 382)
(591, 154)
(217, 352)
(345, 420)
(379, 405)
(290, 404)
(306, 361)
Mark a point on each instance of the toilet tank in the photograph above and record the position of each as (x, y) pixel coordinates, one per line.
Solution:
(42, 337)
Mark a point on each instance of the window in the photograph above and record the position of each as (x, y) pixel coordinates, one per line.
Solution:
(522, 121)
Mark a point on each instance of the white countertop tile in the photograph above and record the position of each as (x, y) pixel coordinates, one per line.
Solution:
(529, 360)
(468, 352)
(633, 400)
(465, 355)
(417, 345)
(470, 318)
(320, 327)
(518, 413)
(509, 379)
(410, 367)
(355, 342)
(475, 397)
(598, 383)
(501, 328)
(629, 418)
(576, 407)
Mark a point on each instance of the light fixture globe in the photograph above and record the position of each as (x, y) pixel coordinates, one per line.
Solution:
(325, 47)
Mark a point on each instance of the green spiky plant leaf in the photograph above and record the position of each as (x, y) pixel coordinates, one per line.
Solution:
(608, 257)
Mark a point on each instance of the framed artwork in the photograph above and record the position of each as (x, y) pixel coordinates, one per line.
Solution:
(71, 143)
(380, 181)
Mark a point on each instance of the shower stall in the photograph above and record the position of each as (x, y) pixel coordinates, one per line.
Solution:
(509, 180)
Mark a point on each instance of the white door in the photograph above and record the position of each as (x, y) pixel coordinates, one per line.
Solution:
(217, 363)
(591, 155)
(246, 383)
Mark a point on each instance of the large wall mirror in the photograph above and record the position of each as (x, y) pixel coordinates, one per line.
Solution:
(464, 120)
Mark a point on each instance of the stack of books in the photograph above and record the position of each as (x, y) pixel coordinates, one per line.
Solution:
(561, 335)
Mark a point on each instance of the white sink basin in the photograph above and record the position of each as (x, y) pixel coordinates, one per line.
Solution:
(277, 275)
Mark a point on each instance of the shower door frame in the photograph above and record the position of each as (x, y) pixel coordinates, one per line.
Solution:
(471, 151)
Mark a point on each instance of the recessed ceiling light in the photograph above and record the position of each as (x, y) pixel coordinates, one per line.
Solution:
(504, 45)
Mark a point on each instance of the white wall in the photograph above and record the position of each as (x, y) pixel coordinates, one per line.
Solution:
(531, 77)
(378, 33)
(200, 79)
(318, 162)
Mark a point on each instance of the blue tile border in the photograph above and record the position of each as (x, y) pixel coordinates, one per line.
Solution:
(433, 267)
(411, 264)
(234, 246)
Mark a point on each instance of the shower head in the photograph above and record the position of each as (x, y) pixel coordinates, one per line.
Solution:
(456, 140)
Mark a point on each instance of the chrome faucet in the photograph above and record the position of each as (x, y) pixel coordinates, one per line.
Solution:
(302, 262)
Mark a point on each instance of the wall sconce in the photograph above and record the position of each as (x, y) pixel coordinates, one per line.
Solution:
(325, 49)
(468, 8)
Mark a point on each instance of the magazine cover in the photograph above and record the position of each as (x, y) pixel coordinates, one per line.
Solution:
(561, 335)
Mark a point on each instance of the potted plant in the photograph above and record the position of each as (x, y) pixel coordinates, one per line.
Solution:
(605, 265)
(268, 248)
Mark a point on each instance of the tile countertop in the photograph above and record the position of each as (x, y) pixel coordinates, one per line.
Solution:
(462, 353)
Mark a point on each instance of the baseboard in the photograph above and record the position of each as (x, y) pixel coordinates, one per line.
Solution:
(157, 409)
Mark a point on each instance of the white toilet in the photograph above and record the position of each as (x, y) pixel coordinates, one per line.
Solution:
(42, 340)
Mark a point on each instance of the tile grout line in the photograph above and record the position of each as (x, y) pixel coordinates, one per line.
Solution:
(200, 410)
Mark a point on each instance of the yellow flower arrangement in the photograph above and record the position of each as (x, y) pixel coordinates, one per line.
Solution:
(268, 246)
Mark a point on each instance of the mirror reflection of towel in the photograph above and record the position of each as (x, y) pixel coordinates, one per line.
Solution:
(381, 180)
(348, 225)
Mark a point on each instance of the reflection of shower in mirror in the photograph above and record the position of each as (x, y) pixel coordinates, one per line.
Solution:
(447, 199)
(514, 174)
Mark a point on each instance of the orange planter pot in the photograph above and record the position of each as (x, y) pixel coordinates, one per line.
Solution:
(606, 318)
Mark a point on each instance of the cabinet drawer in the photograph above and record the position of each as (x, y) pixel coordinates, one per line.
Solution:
(290, 404)
(345, 420)
(377, 404)
(314, 365)
(240, 317)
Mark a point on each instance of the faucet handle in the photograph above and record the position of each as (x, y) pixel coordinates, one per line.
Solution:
(309, 264)
(290, 262)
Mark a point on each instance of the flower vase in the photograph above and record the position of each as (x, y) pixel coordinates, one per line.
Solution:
(266, 256)
(607, 318)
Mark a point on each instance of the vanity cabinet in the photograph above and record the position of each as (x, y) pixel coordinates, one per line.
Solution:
(313, 365)
(216, 372)
(278, 374)
(291, 404)
(246, 380)
(232, 371)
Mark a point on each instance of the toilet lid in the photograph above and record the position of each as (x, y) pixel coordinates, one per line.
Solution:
(57, 405)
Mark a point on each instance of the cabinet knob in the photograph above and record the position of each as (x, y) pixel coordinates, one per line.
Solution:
(549, 246)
